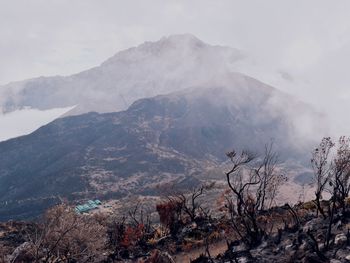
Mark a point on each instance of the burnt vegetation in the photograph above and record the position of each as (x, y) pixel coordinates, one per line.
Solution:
(251, 225)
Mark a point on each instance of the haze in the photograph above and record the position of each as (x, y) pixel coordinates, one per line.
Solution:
(299, 47)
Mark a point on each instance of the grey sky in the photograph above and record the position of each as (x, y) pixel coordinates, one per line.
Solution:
(41, 37)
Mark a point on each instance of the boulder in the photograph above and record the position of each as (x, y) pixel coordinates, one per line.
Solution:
(340, 239)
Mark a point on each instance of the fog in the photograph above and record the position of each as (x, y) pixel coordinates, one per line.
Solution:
(25, 121)
(300, 47)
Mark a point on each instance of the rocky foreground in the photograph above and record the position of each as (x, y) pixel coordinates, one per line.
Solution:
(292, 234)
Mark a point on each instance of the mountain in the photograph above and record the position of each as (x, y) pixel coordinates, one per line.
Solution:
(169, 65)
(153, 68)
(164, 112)
(157, 140)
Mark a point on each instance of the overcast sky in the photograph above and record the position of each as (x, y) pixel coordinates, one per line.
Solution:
(310, 40)
(41, 37)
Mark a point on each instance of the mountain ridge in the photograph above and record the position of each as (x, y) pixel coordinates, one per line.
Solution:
(152, 68)
(158, 140)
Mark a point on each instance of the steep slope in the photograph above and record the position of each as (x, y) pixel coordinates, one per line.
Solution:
(157, 140)
(153, 68)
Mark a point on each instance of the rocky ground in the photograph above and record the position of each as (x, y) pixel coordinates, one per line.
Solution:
(295, 238)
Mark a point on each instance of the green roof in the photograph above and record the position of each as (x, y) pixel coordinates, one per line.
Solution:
(87, 206)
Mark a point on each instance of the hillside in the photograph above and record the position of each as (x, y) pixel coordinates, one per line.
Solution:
(150, 69)
(157, 140)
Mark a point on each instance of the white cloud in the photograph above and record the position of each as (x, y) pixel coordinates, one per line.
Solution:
(25, 121)
(306, 40)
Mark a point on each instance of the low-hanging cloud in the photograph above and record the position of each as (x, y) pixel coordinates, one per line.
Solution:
(299, 47)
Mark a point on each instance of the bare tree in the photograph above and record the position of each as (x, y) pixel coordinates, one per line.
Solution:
(339, 182)
(321, 165)
(180, 208)
(244, 215)
(270, 178)
(236, 184)
(336, 172)
(341, 172)
(253, 182)
(190, 205)
(64, 235)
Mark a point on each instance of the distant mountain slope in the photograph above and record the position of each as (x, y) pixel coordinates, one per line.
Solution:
(169, 65)
(156, 140)
(153, 68)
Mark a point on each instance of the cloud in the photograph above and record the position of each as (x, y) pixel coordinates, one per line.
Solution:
(25, 121)
(305, 40)
(41, 37)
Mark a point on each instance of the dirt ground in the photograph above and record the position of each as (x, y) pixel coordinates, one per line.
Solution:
(214, 249)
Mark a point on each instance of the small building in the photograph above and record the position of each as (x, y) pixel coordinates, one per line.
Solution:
(88, 206)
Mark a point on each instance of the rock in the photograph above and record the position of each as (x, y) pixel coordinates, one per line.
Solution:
(240, 247)
(341, 255)
(340, 239)
(335, 261)
(289, 247)
(313, 225)
(263, 245)
(321, 246)
(243, 260)
(347, 258)
(186, 230)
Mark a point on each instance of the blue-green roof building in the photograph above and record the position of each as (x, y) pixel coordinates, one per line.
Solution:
(88, 206)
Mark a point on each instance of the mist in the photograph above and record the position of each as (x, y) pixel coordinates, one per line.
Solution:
(25, 121)
(298, 47)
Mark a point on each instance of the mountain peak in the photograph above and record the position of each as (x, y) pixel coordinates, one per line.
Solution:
(170, 64)
(179, 48)
(184, 44)
(182, 40)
